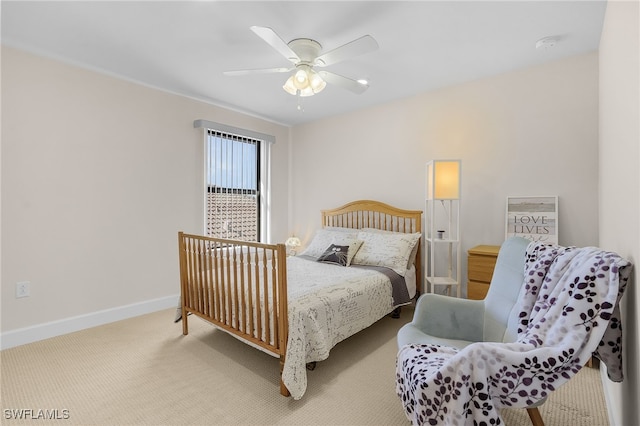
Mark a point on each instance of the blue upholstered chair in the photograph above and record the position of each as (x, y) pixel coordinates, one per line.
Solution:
(455, 322)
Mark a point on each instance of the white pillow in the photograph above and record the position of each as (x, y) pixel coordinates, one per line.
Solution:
(391, 250)
(414, 251)
(323, 238)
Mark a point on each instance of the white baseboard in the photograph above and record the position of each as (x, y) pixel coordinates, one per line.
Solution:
(47, 330)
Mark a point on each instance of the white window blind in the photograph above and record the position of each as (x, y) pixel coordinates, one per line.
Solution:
(236, 183)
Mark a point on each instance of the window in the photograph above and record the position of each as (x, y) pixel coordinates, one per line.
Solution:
(236, 182)
(233, 199)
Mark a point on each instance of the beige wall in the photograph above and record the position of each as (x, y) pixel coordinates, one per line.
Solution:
(98, 176)
(620, 184)
(530, 132)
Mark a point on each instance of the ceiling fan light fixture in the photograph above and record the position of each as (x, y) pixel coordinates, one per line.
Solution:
(308, 91)
(317, 83)
(289, 87)
(305, 82)
(301, 79)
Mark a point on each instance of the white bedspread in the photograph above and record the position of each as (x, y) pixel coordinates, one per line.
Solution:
(327, 304)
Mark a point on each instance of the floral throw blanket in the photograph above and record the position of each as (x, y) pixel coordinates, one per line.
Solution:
(568, 310)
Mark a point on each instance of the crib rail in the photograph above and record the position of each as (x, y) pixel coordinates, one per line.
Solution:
(238, 286)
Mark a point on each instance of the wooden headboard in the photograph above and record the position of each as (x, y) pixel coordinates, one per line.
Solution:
(374, 214)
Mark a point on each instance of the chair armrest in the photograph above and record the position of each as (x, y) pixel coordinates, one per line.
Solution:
(449, 317)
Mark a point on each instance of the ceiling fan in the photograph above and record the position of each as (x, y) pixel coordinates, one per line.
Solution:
(305, 55)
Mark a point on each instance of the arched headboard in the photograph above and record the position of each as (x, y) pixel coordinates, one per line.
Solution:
(375, 214)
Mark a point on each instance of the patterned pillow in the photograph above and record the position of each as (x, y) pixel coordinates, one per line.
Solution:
(335, 254)
(414, 251)
(391, 250)
(354, 246)
(323, 238)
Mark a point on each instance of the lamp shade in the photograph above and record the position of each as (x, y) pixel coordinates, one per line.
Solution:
(301, 78)
(443, 180)
(289, 87)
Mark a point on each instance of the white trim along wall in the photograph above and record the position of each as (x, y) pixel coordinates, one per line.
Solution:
(50, 329)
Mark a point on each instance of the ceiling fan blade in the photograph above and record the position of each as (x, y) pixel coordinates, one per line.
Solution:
(274, 40)
(257, 71)
(344, 82)
(357, 47)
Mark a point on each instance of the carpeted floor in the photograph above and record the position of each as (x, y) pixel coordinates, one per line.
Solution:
(142, 371)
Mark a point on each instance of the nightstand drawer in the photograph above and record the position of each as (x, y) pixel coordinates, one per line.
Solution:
(480, 268)
(480, 264)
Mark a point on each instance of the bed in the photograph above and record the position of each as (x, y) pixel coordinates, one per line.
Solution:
(361, 265)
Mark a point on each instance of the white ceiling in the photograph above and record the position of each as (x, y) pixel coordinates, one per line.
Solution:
(183, 47)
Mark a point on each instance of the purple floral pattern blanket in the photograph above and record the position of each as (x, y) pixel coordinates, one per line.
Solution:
(568, 310)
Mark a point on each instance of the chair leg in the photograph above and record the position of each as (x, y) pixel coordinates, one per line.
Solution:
(534, 415)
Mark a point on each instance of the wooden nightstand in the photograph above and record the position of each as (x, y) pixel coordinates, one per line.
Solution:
(481, 261)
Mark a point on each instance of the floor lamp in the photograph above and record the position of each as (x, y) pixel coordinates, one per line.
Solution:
(443, 225)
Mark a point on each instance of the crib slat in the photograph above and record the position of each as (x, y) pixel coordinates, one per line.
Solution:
(217, 282)
(250, 287)
(265, 292)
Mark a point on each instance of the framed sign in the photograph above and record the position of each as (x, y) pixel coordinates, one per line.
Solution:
(534, 218)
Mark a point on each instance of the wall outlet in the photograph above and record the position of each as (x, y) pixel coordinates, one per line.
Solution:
(23, 289)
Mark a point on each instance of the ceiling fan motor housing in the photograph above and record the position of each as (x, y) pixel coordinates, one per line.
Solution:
(306, 49)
